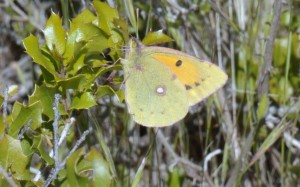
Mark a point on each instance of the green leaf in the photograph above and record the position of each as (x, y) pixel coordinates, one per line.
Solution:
(280, 51)
(13, 159)
(131, 14)
(285, 19)
(122, 26)
(106, 22)
(83, 101)
(3, 124)
(73, 47)
(46, 96)
(76, 82)
(3, 182)
(86, 31)
(22, 114)
(106, 15)
(1, 100)
(84, 37)
(97, 44)
(31, 45)
(47, 77)
(103, 90)
(13, 89)
(139, 174)
(73, 178)
(102, 176)
(55, 34)
(43, 152)
(77, 64)
(176, 177)
(26, 146)
(105, 149)
(269, 141)
(154, 38)
(121, 95)
(90, 157)
(262, 107)
(101, 71)
(86, 16)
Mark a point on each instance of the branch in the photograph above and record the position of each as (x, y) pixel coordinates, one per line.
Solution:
(264, 75)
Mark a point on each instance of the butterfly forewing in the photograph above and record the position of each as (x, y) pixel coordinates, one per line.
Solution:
(200, 78)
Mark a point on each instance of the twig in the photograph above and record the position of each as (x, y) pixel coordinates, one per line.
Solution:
(209, 157)
(232, 64)
(37, 172)
(177, 159)
(231, 131)
(60, 165)
(55, 124)
(82, 138)
(24, 129)
(55, 170)
(22, 14)
(64, 133)
(218, 36)
(55, 129)
(5, 104)
(263, 81)
(290, 140)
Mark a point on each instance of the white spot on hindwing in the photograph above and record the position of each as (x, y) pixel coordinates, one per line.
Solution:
(161, 90)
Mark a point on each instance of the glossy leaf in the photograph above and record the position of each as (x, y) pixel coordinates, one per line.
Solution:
(85, 37)
(31, 45)
(73, 178)
(106, 15)
(83, 101)
(102, 176)
(75, 82)
(22, 114)
(46, 96)
(86, 16)
(12, 158)
(154, 38)
(93, 75)
(41, 142)
(77, 64)
(55, 34)
(73, 47)
(103, 90)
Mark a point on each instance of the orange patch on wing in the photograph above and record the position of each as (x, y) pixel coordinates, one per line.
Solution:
(181, 71)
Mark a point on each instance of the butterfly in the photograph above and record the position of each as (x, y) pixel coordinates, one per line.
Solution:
(162, 83)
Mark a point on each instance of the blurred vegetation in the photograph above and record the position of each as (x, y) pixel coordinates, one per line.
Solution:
(63, 121)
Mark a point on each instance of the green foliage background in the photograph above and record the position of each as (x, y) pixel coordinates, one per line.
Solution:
(246, 134)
